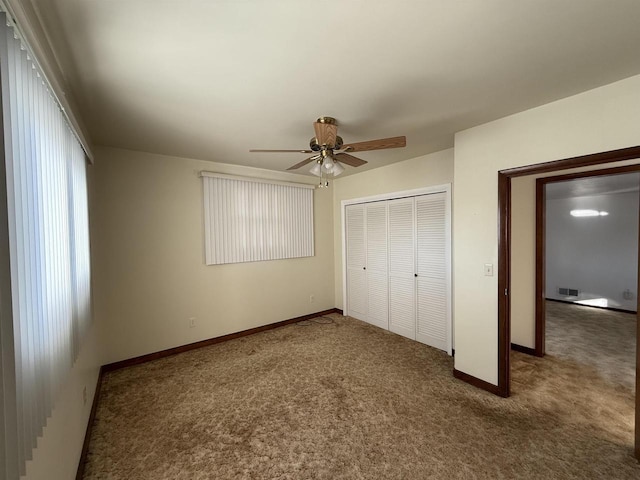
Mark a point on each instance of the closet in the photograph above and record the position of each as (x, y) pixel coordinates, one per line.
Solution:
(398, 266)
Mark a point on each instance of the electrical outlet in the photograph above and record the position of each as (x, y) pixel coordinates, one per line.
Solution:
(312, 298)
(192, 322)
(84, 395)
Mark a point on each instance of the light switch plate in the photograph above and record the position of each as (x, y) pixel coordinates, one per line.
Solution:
(488, 269)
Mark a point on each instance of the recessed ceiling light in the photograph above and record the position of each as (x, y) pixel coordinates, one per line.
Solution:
(588, 213)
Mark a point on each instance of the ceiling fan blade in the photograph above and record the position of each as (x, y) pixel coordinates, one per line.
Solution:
(325, 133)
(303, 163)
(349, 159)
(380, 144)
(281, 151)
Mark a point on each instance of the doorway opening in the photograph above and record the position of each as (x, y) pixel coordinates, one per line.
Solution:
(504, 262)
(573, 247)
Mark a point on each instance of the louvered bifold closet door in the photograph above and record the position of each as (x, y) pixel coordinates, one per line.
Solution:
(402, 300)
(377, 260)
(433, 318)
(356, 262)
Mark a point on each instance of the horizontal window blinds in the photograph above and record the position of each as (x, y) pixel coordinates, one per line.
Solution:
(46, 304)
(249, 220)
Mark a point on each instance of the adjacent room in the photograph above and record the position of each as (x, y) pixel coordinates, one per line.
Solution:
(297, 240)
(578, 228)
(591, 252)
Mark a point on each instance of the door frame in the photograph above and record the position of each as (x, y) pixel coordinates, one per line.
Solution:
(504, 258)
(540, 315)
(443, 188)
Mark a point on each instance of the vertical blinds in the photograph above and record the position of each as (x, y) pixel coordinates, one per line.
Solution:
(248, 220)
(46, 298)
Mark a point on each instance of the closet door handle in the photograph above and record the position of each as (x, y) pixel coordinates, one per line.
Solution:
(415, 274)
(364, 268)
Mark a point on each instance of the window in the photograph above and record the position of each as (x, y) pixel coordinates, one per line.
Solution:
(249, 220)
(45, 294)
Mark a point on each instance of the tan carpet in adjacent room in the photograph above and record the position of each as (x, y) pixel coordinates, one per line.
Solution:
(602, 339)
(347, 400)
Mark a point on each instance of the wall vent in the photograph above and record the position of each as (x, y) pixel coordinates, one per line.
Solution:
(570, 292)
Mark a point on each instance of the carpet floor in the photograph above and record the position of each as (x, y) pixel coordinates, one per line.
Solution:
(601, 339)
(347, 400)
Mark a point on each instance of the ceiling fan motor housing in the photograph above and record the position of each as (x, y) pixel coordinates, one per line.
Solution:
(327, 120)
(313, 144)
(316, 147)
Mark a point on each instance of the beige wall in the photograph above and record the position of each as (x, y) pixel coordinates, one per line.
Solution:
(150, 271)
(428, 170)
(603, 119)
(523, 260)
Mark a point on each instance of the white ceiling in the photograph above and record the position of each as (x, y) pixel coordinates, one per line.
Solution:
(590, 186)
(212, 79)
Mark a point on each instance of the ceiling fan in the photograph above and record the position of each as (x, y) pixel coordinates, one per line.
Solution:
(330, 151)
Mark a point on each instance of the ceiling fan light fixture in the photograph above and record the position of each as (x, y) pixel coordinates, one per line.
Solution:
(328, 165)
(316, 169)
(337, 169)
(327, 161)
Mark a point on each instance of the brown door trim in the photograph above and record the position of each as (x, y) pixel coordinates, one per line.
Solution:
(539, 347)
(504, 283)
(504, 246)
(541, 240)
(620, 155)
(637, 442)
